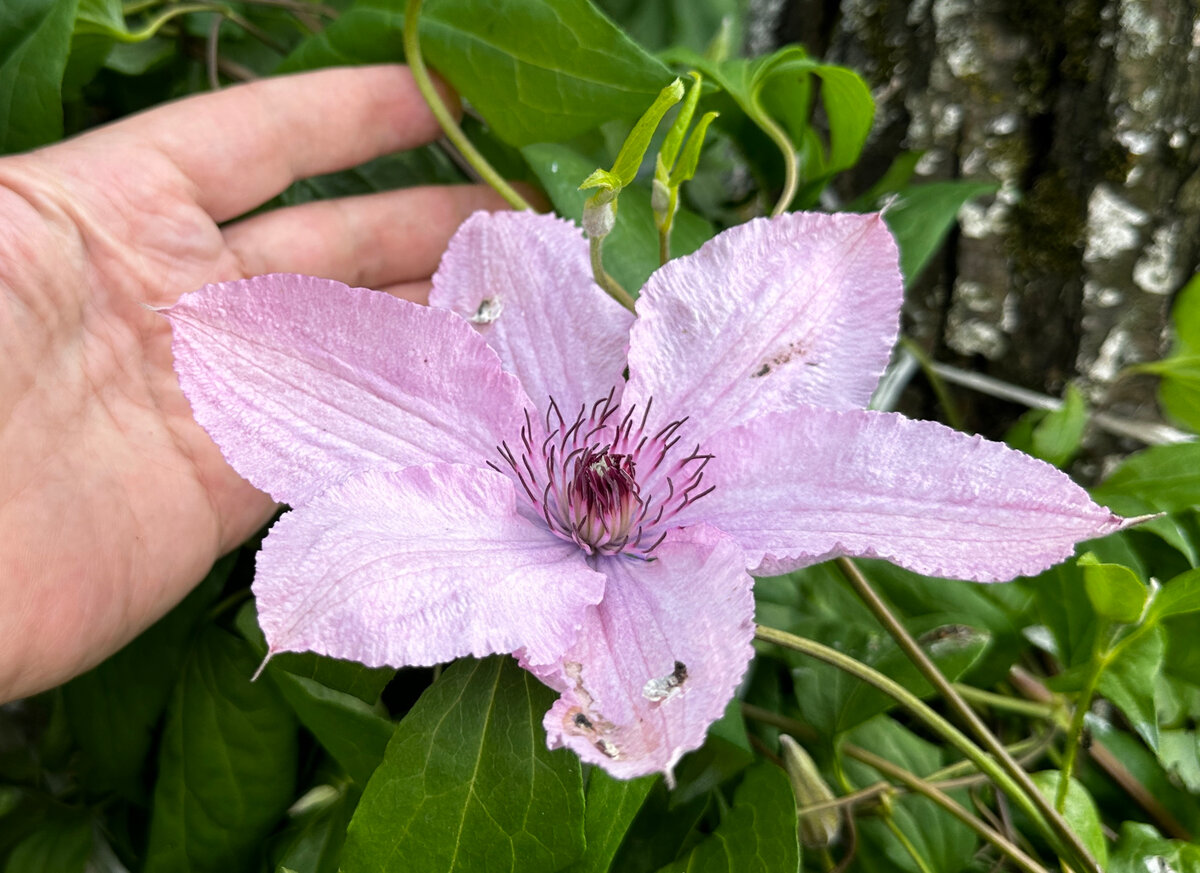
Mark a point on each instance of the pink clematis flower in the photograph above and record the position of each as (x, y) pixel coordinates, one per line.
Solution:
(480, 476)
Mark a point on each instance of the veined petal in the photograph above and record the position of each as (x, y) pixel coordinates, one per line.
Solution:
(302, 381)
(417, 567)
(524, 280)
(799, 487)
(658, 659)
(803, 308)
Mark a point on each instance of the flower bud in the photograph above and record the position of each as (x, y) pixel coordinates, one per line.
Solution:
(660, 197)
(600, 214)
(819, 828)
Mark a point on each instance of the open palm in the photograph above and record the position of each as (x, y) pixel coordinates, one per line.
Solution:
(113, 502)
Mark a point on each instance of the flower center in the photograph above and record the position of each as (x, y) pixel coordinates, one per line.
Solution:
(602, 481)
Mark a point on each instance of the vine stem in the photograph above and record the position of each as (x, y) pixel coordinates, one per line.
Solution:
(920, 786)
(1051, 712)
(610, 285)
(960, 774)
(921, 710)
(1047, 814)
(454, 133)
(791, 168)
(1074, 739)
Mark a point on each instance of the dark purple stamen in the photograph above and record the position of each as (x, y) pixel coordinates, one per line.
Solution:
(596, 467)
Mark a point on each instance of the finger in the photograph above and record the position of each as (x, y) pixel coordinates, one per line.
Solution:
(371, 241)
(417, 292)
(241, 146)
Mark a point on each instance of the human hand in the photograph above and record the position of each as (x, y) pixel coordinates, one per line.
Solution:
(113, 501)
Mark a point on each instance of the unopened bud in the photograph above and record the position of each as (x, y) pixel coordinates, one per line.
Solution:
(660, 197)
(600, 214)
(820, 827)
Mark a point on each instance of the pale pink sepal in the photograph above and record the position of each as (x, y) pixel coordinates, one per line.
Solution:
(525, 281)
(657, 661)
(800, 487)
(418, 567)
(302, 381)
(803, 308)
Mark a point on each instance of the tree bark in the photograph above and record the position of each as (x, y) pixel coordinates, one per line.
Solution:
(1087, 113)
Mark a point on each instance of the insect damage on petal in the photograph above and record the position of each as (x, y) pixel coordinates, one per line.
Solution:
(489, 310)
(665, 687)
(794, 350)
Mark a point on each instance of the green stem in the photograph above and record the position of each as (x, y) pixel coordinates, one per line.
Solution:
(1057, 829)
(611, 286)
(1074, 737)
(919, 786)
(953, 416)
(920, 709)
(1043, 711)
(1082, 704)
(889, 821)
(961, 774)
(791, 168)
(454, 133)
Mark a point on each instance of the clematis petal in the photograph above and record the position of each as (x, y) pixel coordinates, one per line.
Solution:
(803, 308)
(418, 567)
(302, 381)
(524, 280)
(658, 660)
(799, 487)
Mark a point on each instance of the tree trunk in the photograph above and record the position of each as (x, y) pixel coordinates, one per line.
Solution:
(1087, 113)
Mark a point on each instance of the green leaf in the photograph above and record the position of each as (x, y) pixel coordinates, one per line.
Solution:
(896, 177)
(136, 58)
(758, 833)
(227, 764)
(1179, 596)
(114, 709)
(1079, 811)
(1146, 769)
(35, 39)
(60, 844)
(1161, 478)
(922, 215)
(1055, 435)
(314, 843)
(940, 839)
(849, 111)
(1179, 752)
(661, 832)
(726, 752)
(1130, 679)
(424, 166)
(353, 732)
(1141, 849)
(631, 250)
(612, 805)
(777, 90)
(690, 23)
(536, 72)
(1179, 390)
(348, 677)
(1115, 591)
(468, 783)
